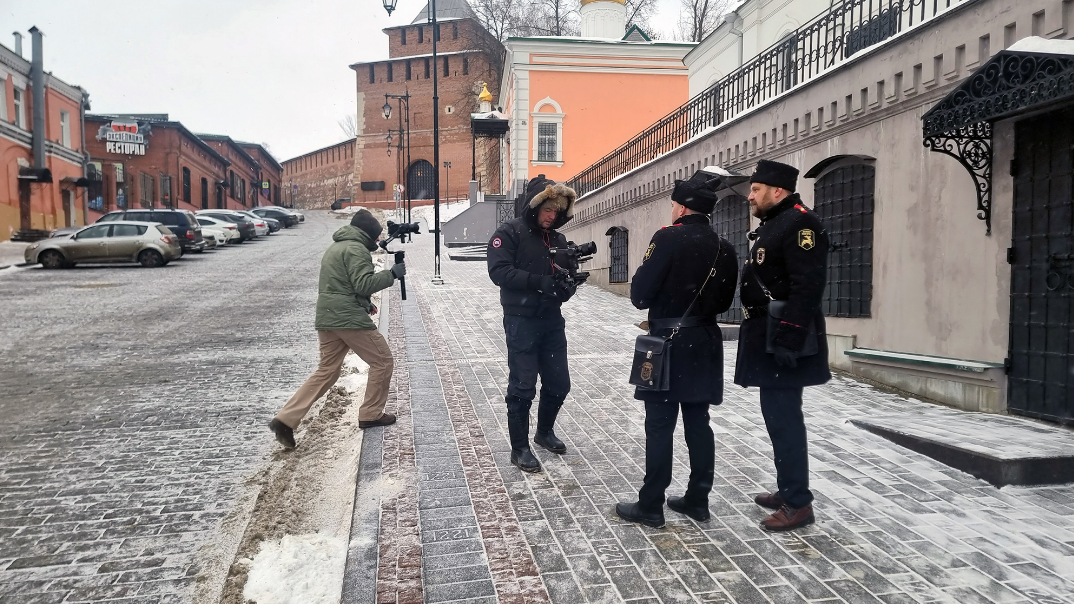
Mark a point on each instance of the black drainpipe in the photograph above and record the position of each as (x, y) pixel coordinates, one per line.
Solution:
(37, 79)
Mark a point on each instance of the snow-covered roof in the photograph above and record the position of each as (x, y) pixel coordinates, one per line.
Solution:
(446, 9)
(1037, 44)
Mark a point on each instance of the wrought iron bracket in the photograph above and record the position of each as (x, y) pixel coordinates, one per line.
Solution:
(972, 147)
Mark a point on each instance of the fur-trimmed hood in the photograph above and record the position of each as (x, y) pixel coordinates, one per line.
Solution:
(559, 195)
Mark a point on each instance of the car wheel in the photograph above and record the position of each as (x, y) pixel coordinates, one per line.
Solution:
(151, 258)
(51, 259)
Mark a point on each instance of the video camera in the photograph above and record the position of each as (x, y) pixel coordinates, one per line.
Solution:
(398, 230)
(565, 261)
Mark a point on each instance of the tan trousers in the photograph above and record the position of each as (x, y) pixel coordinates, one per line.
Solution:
(371, 347)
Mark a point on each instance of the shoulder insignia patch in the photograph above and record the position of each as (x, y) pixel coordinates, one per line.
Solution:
(760, 255)
(649, 252)
(806, 240)
(496, 242)
(800, 208)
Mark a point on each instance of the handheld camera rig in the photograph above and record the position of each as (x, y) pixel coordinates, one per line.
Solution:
(396, 231)
(565, 261)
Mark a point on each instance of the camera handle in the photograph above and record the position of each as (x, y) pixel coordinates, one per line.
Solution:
(399, 257)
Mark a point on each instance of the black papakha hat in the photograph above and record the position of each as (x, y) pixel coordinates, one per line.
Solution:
(775, 174)
(368, 223)
(698, 193)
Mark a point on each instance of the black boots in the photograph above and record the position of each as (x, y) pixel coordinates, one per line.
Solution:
(284, 434)
(547, 411)
(518, 425)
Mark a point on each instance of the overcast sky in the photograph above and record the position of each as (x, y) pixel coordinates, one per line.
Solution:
(267, 71)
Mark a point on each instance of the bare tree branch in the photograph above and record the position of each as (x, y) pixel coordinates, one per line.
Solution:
(700, 17)
(349, 126)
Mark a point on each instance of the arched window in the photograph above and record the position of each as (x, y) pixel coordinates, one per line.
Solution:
(731, 220)
(618, 271)
(843, 200)
(547, 118)
(420, 180)
(186, 185)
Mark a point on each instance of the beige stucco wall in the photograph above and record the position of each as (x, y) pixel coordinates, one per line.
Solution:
(940, 285)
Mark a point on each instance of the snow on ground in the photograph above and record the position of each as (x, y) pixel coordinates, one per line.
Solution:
(305, 569)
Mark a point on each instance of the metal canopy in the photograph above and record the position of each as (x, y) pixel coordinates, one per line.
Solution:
(489, 125)
(1030, 75)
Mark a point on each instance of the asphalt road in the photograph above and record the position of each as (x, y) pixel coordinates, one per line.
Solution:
(134, 404)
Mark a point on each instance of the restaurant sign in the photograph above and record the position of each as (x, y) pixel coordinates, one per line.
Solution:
(124, 137)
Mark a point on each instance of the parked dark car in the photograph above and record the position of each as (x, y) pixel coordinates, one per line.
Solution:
(286, 219)
(181, 222)
(247, 230)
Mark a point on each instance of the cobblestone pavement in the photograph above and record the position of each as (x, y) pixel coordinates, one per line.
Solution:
(892, 526)
(134, 405)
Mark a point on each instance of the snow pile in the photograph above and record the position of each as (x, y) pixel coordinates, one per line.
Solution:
(425, 214)
(306, 569)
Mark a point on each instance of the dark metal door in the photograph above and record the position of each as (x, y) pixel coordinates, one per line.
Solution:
(731, 220)
(1040, 381)
(419, 180)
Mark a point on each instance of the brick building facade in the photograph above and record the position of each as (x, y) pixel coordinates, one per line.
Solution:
(151, 161)
(270, 177)
(318, 178)
(243, 175)
(30, 200)
(468, 57)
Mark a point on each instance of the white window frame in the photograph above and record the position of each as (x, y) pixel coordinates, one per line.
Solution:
(18, 97)
(65, 128)
(556, 117)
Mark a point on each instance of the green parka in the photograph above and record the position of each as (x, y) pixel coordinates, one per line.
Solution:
(347, 281)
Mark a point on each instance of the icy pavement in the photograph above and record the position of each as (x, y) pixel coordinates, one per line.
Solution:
(892, 526)
(12, 252)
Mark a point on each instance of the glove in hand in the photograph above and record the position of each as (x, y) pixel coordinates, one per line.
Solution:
(398, 270)
(548, 285)
(785, 357)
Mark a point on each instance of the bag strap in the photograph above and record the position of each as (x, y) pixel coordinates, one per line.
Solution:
(712, 273)
(757, 278)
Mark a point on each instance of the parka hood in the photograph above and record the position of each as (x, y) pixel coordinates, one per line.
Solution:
(560, 196)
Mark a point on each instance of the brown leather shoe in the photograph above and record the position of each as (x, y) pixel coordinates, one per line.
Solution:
(787, 519)
(386, 419)
(771, 501)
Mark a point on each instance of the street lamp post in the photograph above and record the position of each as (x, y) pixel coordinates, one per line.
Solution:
(389, 5)
(404, 105)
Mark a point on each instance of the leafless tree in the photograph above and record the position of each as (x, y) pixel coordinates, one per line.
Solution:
(699, 17)
(349, 126)
(639, 12)
(554, 17)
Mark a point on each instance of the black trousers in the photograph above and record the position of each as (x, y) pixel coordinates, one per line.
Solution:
(660, 420)
(782, 411)
(537, 347)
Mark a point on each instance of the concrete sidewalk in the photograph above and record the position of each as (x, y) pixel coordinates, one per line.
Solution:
(461, 524)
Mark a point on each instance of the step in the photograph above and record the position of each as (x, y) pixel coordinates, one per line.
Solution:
(999, 449)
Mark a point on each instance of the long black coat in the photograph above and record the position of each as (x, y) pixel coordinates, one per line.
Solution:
(676, 263)
(790, 255)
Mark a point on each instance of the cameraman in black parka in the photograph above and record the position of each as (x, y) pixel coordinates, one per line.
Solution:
(520, 263)
(681, 260)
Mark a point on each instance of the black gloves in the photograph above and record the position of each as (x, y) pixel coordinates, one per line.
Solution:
(564, 290)
(547, 285)
(785, 357)
(398, 270)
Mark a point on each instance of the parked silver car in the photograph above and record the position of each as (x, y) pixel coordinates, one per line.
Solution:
(148, 243)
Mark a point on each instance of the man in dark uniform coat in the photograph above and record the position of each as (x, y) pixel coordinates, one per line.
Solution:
(520, 264)
(682, 258)
(790, 258)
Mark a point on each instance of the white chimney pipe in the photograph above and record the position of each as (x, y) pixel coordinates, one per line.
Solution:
(18, 43)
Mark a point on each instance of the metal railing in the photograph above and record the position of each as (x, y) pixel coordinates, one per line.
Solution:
(845, 29)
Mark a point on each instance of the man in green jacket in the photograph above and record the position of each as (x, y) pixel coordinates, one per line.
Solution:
(346, 283)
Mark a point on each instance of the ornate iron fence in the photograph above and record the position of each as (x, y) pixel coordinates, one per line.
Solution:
(845, 29)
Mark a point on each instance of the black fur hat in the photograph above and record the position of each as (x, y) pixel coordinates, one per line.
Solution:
(698, 193)
(775, 174)
(368, 223)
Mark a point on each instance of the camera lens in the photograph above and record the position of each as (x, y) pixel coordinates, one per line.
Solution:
(587, 249)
